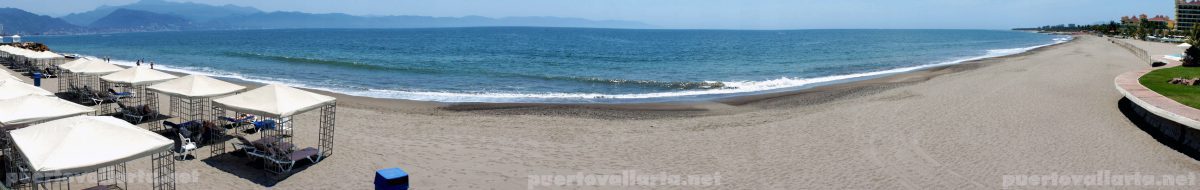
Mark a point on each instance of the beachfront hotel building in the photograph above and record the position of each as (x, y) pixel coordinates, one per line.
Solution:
(1166, 21)
(1187, 14)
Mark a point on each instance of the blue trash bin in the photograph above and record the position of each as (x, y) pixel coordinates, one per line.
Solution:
(391, 179)
(37, 79)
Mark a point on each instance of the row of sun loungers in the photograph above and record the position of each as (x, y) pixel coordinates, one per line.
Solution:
(97, 98)
(136, 113)
(279, 157)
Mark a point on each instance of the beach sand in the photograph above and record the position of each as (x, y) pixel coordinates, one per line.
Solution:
(1051, 110)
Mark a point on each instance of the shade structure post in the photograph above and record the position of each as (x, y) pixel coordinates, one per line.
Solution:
(63, 80)
(218, 148)
(163, 166)
(13, 162)
(95, 91)
(112, 176)
(328, 125)
(282, 131)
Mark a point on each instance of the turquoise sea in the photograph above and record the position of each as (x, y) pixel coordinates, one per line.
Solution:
(559, 65)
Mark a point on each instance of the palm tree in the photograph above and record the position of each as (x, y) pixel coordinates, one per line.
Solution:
(1191, 56)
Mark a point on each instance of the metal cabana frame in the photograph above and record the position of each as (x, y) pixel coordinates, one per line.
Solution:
(277, 112)
(9, 151)
(112, 177)
(184, 109)
(190, 99)
(21, 175)
(284, 132)
(140, 98)
(88, 88)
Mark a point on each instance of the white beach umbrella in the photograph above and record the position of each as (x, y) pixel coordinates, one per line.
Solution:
(33, 108)
(94, 67)
(274, 101)
(43, 55)
(6, 75)
(138, 75)
(12, 89)
(196, 86)
(72, 63)
(1184, 45)
(85, 143)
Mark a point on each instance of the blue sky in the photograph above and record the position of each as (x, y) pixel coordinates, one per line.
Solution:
(712, 14)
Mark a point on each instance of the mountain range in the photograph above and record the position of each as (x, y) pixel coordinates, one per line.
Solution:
(17, 21)
(159, 15)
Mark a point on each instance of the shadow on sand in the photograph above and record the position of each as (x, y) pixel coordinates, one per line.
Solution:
(1128, 109)
(241, 165)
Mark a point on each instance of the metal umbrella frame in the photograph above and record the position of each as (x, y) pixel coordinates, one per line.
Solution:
(281, 105)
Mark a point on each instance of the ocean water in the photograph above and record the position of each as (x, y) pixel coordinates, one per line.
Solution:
(558, 65)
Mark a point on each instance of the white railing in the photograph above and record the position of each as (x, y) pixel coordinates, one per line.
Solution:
(1139, 52)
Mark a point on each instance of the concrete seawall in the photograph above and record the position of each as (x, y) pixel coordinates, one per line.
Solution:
(1175, 121)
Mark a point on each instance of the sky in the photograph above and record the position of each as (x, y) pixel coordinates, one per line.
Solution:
(712, 14)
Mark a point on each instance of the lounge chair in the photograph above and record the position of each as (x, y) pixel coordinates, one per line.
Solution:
(50, 72)
(284, 160)
(96, 97)
(182, 128)
(90, 95)
(77, 93)
(138, 114)
(270, 125)
(74, 90)
(211, 132)
(237, 123)
(249, 147)
(264, 124)
(120, 95)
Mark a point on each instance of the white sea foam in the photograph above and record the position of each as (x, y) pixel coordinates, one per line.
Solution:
(731, 87)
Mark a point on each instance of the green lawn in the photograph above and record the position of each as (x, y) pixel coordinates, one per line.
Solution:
(1187, 95)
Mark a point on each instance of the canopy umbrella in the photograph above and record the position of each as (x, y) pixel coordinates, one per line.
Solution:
(1184, 45)
(75, 62)
(137, 76)
(85, 76)
(274, 101)
(33, 108)
(276, 105)
(94, 67)
(191, 96)
(133, 82)
(6, 75)
(196, 86)
(12, 89)
(85, 143)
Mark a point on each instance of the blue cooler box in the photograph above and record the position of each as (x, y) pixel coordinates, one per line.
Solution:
(391, 179)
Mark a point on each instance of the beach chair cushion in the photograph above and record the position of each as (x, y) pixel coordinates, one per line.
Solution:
(265, 124)
(305, 153)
